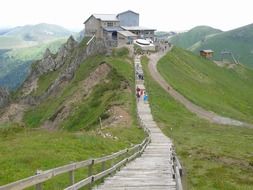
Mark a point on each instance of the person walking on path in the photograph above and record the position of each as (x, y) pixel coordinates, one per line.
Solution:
(138, 96)
(145, 97)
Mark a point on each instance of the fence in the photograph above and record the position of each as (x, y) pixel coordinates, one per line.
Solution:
(43, 176)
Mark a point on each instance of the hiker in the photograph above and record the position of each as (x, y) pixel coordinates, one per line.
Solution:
(138, 96)
(141, 92)
(145, 98)
(138, 89)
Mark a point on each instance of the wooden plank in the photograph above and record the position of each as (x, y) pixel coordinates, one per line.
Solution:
(110, 157)
(80, 184)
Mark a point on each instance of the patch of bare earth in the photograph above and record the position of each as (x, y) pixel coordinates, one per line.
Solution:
(29, 87)
(228, 65)
(118, 116)
(84, 89)
(13, 113)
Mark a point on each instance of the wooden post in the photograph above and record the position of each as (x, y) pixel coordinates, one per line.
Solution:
(100, 122)
(112, 164)
(90, 169)
(72, 177)
(103, 166)
(127, 154)
(39, 185)
(90, 172)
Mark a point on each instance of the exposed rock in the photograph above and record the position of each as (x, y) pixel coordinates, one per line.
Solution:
(71, 54)
(4, 97)
(51, 62)
(84, 89)
(78, 57)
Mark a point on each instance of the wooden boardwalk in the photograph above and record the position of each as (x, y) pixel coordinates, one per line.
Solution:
(153, 170)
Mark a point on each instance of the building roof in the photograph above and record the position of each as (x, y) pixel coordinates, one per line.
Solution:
(112, 29)
(135, 28)
(127, 33)
(104, 17)
(127, 12)
(207, 50)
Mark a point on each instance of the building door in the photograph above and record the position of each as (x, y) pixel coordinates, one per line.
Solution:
(114, 35)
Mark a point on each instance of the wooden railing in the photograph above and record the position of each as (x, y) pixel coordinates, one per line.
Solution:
(43, 176)
(178, 171)
(92, 38)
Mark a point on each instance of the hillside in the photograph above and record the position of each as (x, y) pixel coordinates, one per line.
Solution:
(226, 91)
(59, 107)
(199, 33)
(238, 41)
(212, 155)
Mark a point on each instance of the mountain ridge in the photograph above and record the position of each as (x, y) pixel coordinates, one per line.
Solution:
(198, 33)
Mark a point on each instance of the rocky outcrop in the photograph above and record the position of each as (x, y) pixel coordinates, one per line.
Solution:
(78, 57)
(4, 97)
(71, 55)
(51, 62)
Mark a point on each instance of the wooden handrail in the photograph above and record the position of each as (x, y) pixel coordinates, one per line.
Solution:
(132, 153)
(90, 40)
(48, 174)
(178, 171)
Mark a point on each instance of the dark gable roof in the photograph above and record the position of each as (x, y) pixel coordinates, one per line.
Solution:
(127, 12)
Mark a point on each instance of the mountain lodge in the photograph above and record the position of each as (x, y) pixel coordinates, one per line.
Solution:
(117, 29)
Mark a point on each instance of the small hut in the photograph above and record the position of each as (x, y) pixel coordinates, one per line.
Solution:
(207, 53)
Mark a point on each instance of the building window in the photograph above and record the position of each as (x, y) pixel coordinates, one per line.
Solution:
(109, 24)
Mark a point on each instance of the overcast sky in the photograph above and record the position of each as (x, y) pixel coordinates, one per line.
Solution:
(160, 14)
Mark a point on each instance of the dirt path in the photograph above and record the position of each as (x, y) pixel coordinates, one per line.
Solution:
(199, 111)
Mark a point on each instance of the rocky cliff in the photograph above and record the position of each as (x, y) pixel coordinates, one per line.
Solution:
(70, 55)
(4, 97)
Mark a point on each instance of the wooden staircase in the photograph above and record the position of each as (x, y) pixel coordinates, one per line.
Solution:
(155, 169)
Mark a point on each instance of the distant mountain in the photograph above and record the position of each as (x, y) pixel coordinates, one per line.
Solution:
(199, 33)
(15, 64)
(32, 35)
(20, 46)
(4, 30)
(162, 35)
(238, 41)
(39, 32)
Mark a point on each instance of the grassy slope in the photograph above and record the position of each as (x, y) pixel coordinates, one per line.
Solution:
(224, 91)
(17, 145)
(187, 39)
(238, 41)
(215, 157)
(23, 151)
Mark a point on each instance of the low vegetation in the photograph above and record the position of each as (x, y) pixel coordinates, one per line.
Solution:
(213, 156)
(226, 91)
(79, 136)
(23, 151)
